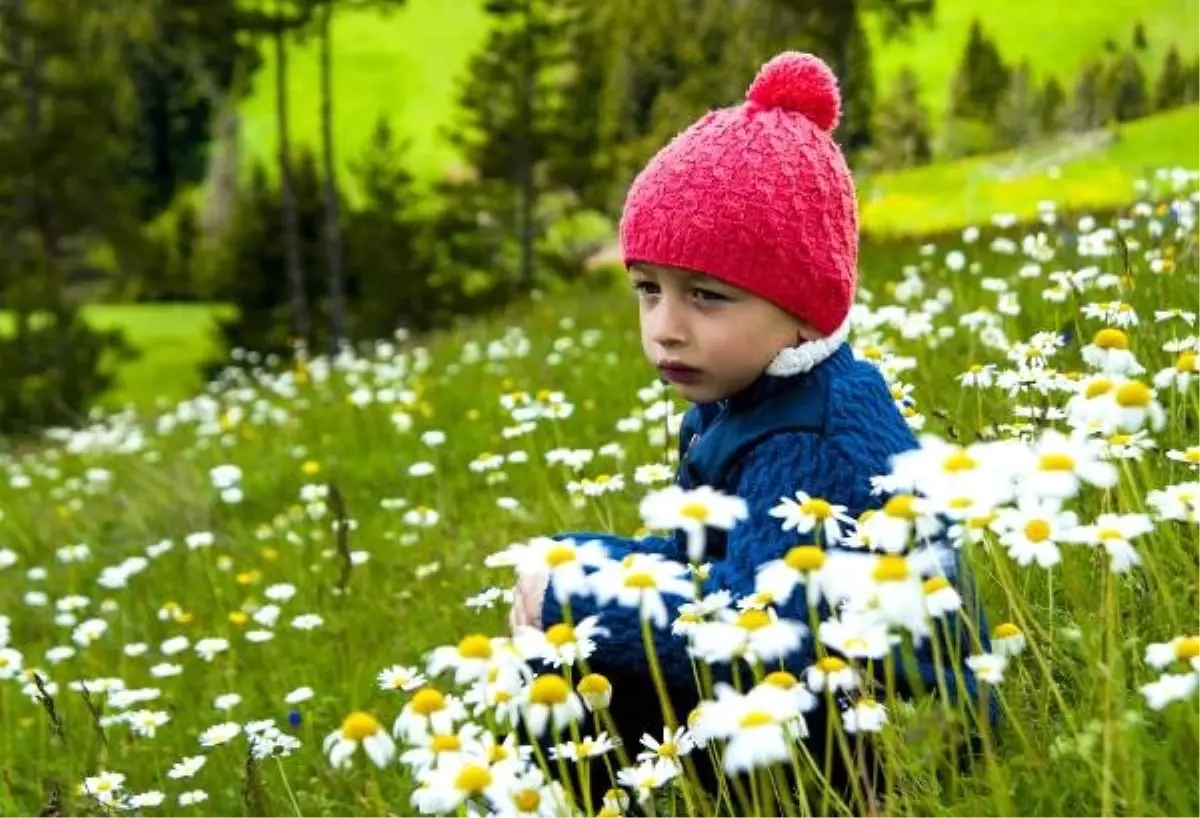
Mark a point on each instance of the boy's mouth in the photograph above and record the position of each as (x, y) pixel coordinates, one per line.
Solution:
(678, 373)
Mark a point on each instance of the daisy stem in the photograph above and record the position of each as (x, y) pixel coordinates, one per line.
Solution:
(755, 796)
(583, 765)
(779, 782)
(668, 711)
(287, 787)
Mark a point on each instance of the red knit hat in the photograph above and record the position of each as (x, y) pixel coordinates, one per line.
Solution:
(757, 195)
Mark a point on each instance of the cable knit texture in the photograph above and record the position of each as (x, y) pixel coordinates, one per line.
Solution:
(757, 195)
(827, 432)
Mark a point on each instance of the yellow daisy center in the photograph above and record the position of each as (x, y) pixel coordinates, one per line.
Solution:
(447, 743)
(1037, 530)
(1056, 461)
(695, 511)
(1186, 362)
(428, 701)
(1109, 534)
(935, 584)
(1111, 339)
(473, 778)
(781, 679)
(816, 507)
(1097, 387)
(560, 634)
(959, 461)
(1006, 630)
(756, 718)
(558, 555)
(527, 800)
(960, 503)
(1133, 394)
(805, 558)
(549, 689)
(900, 506)
(640, 580)
(358, 725)
(890, 568)
(753, 619)
(475, 646)
(1187, 648)
(831, 664)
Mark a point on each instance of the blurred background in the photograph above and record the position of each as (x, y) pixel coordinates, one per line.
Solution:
(184, 180)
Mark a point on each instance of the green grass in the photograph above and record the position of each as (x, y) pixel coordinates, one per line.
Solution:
(404, 66)
(1075, 172)
(1077, 737)
(171, 341)
(1056, 36)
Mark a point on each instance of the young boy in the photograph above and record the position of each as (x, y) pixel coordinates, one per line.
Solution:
(741, 240)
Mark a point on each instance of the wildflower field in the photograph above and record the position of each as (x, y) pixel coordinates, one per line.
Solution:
(288, 595)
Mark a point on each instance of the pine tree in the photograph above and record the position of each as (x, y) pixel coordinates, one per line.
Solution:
(1092, 103)
(1139, 36)
(1127, 89)
(902, 125)
(1018, 116)
(981, 79)
(510, 103)
(65, 122)
(1052, 107)
(1171, 88)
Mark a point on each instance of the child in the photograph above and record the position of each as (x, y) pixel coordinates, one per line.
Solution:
(740, 238)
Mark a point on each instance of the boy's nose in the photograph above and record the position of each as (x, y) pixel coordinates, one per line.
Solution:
(668, 328)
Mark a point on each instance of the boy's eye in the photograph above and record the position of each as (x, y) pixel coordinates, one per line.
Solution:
(708, 295)
(645, 287)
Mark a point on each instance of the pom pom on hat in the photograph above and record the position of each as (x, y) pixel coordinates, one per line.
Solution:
(795, 81)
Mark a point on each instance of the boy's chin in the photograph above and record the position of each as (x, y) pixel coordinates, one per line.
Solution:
(698, 392)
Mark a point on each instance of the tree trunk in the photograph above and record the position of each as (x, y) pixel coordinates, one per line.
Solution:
(291, 228)
(333, 230)
(525, 147)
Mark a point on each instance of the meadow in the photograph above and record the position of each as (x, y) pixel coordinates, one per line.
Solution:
(204, 606)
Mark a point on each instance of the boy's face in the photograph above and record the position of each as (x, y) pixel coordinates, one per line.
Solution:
(709, 339)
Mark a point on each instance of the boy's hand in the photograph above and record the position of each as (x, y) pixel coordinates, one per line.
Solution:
(528, 595)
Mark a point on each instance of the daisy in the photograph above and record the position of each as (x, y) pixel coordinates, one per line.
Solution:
(1133, 406)
(398, 677)
(754, 634)
(431, 749)
(867, 716)
(104, 787)
(1181, 374)
(550, 699)
(1190, 456)
(560, 644)
(988, 667)
(529, 794)
(639, 581)
(1007, 639)
(856, 637)
(443, 789)
(1109, 353)
(585, 748)
(647, 778)
(759, 727)
(1170, 687)
(807, 513)
(1181, 648)
(359, 728)
(692, 511)
(469, 659)
(1176, 502)
(1057, 465)
(674, 744)
(187, 767)
(220, 734)
(429, 710)
(563, 559)
(1113, 532)
(1033, 530)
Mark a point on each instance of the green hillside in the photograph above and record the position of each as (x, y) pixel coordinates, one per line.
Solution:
(1056, 36)
(1078, 171)
(406, 65)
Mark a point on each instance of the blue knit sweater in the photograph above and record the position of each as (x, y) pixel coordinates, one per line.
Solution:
(826, 431)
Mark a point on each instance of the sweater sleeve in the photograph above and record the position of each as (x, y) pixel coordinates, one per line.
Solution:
(776, 468)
